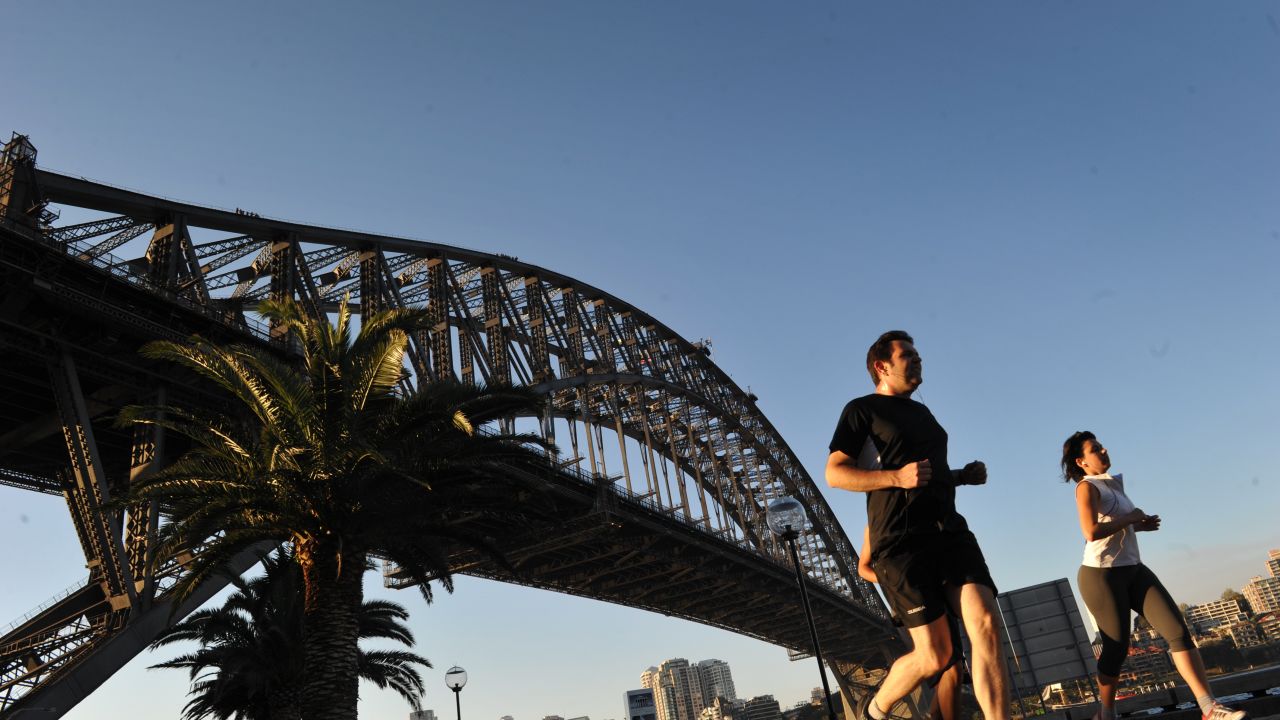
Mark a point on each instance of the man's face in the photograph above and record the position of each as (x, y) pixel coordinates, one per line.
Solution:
(903, 372)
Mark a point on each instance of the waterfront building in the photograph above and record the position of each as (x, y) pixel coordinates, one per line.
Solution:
(1269, 626)
(717, 681)
(677, 689)
(1145, 665)
(1206, 616)
(649, 678)
(721, 708)
(763, 707)
(1263, 594)
(639, 705)
(1243, 634)
(1147, 637)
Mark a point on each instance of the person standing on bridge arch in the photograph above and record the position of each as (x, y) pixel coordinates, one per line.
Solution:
(893, 449)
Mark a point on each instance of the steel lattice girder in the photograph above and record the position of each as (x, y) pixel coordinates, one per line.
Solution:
(489, 301)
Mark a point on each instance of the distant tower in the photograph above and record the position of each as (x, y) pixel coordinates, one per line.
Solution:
(1263, 594)
(677, 689)
(717, 681)
(1273, 563)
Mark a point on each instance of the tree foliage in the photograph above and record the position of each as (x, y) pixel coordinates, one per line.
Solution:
(249, 663)
(325, 451)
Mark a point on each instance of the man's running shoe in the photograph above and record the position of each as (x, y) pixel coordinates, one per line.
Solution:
(1222, 712)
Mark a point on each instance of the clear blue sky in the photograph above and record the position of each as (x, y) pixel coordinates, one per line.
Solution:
(1073, 206)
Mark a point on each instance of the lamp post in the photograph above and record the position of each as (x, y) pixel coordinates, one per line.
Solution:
(455, 679)
(785, 516)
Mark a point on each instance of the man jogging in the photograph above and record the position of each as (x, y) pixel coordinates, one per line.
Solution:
(891, 447)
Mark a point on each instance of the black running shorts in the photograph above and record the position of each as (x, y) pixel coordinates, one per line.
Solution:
(914, 577)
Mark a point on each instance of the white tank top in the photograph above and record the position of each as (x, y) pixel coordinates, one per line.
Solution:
(1117, 549)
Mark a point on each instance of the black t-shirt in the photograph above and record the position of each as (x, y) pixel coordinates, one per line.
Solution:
(900, 431)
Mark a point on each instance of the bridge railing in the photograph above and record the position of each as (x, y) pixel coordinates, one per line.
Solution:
(119, 268)
(59, 597)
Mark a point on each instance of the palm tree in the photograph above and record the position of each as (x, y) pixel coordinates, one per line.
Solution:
(249, 665)
(326, 454)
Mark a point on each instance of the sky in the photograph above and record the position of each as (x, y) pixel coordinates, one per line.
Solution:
(1074, 207)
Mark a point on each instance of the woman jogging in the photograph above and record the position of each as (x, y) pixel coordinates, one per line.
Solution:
(1114, 583)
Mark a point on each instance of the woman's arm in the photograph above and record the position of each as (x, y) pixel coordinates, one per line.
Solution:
(1087, 508)
(865, 570)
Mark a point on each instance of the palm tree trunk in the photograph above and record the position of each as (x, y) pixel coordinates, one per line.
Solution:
(285, 704)
(330, 632)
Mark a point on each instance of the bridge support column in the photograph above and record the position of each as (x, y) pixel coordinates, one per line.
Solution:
(20, 200)
(88, 493)
(144, 517)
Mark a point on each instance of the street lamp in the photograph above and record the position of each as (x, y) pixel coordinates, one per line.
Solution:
(786, 518)
(455, 679)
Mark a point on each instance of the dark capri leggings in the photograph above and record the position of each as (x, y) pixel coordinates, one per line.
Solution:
(1113, 594)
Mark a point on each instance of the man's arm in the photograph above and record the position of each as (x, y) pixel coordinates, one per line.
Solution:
(843, 473)
(865, 570)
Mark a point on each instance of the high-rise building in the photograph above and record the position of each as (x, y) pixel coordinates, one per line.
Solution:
(763, 707)
(717, 681)
(1207, 616)
(1269, 625)
(1273, 563)
(677, 689)
(1263, 594)
(649, 678)
(639, 705)
(817, 696)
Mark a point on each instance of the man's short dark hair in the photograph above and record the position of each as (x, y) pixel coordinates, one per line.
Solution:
(882, 349)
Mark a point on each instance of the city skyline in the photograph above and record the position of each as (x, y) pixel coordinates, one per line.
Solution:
(1071, 206)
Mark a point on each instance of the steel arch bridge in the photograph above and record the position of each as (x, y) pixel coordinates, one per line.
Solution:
(676, 463)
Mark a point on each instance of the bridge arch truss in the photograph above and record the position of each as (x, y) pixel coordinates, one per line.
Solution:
(635, 407)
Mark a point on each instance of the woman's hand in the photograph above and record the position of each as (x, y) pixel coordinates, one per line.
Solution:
(1148, 523)
(1133, 517)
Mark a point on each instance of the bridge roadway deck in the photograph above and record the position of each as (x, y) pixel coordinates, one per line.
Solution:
(619, 548)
